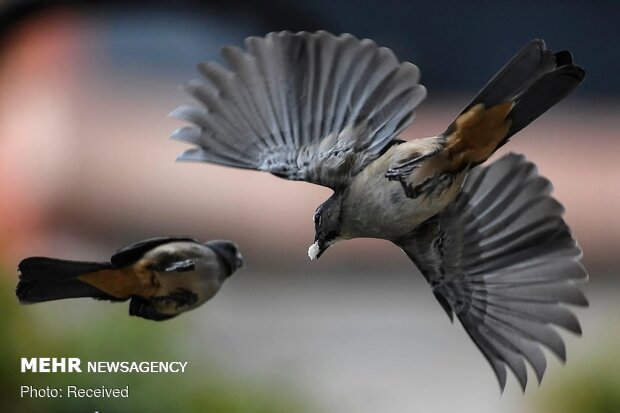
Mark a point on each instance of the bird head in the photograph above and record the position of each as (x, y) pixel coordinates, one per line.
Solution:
(326, 226)
(228, 253)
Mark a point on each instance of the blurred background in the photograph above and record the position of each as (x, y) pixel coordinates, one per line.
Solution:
(86, 167)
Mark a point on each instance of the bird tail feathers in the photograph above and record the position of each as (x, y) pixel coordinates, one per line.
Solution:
(534, 80)
(45, 279)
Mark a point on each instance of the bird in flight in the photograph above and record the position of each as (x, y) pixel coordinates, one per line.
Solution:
(327, 109)
(162, 277)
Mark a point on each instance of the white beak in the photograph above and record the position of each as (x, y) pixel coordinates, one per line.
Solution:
(313, 251)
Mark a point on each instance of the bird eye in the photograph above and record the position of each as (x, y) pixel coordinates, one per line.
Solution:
(317, 218)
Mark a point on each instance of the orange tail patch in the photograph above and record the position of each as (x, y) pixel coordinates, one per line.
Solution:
(123, 283)
(478, 132)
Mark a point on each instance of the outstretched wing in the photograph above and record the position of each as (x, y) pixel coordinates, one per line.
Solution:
(504, 261)
(304, 106)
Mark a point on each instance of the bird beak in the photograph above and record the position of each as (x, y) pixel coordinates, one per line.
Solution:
(238, 260)
(317, 249)
(228, 253)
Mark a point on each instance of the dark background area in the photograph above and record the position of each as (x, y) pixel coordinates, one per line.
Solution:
(454, 41)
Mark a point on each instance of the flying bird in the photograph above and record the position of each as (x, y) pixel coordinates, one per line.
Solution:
(162, 277)
(327, 109)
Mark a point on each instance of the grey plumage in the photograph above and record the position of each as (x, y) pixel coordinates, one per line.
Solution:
(503, 260)
(132, 253)
(327, 109)
(309, 106)
(162, 277)
(535, 79)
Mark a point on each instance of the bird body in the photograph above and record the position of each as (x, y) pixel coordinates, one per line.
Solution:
(490, 241)
(376, 208)
(162, 277)
(146, 279)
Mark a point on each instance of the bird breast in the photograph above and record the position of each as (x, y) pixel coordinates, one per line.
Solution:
(204, 281)
(376, 207)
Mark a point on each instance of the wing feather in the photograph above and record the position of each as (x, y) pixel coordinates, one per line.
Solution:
(132, 253)
(504, 261)
(303, 106)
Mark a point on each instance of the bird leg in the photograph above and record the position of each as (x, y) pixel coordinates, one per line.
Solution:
(429, 184)
(410, 191)
(434, 182)
(401, 171)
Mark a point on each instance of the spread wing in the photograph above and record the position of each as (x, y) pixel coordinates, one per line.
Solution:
(304, 106)
(503, 260)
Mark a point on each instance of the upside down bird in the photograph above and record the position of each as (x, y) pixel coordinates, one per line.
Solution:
(163, 277)
(327, 109)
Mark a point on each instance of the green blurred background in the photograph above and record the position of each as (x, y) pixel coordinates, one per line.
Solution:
(205, 386)
(85, 168)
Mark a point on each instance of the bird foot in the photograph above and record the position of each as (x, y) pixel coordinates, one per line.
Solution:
(428, 185)
(403, 170)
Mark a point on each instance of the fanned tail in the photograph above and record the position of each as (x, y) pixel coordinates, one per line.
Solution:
(532, 82)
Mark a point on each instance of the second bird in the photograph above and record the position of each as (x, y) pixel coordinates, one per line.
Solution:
(163, 277)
